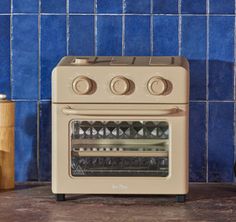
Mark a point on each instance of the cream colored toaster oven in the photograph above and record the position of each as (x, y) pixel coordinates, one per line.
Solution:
(120, 126)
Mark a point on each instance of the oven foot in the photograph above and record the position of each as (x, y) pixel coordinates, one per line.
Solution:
(180, 198)
(60, 197)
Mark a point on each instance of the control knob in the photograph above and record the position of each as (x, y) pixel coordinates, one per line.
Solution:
(120, 85)
(157, 85)
(82, 85)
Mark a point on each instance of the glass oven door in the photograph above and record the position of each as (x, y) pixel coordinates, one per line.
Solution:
(119, 148)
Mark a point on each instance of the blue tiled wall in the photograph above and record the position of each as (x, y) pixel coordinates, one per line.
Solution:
(35, 34)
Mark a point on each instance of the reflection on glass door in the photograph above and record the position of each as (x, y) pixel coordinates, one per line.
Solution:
(119, 148)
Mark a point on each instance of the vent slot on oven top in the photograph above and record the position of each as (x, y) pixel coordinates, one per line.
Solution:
(100, 148)
(122, 60)
(102, 60)
(83, 60)
(161, 61)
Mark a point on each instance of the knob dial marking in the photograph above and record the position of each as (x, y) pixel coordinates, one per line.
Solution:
(157, 85)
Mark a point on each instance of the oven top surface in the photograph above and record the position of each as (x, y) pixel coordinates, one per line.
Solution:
(123, 61)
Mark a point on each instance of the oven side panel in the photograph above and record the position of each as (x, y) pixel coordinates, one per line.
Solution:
(54, 151)
(179, 154)
(60, 151)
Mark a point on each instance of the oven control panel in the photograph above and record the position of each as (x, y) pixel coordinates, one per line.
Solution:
(120, 85)
(120, 81)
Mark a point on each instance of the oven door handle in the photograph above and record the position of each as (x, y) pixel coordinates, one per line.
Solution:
(96, 113)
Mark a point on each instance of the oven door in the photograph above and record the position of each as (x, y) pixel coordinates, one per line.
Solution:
(119, 148)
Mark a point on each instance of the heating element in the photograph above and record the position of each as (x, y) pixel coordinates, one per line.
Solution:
(120, 126)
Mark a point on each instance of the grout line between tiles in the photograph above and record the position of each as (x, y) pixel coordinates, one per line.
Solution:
(207, 89)
(67, 27)
(213, 101)
(39, 51)
(180, 27)
(119, 14)
(234, 85)
(151, 28)
(235, 52)
(11, 52)
(234, 136)
(95, 27)
(194, 101)
(45, 100)
(39, 89)
(38, 139)
(25, 100)
(123, 27)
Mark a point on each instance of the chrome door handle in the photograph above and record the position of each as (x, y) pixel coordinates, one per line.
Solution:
(157, 112)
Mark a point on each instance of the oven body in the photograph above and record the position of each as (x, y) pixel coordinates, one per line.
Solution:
(152, 161)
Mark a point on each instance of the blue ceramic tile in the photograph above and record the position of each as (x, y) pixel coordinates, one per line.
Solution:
(137, 35)
(25, 6)
(193, 6)
(5, 55)
(194, 37)
(197, 79)
(25, 57)
(165, 6)
(5, 6)
(165, 40)
(81, 40)
(109, 35)
(221, 80)
(106, 6)
(194, 48)
(221, 31)
(53, 48)
(45, 142)
(26, 141)
(197, 142)
(53, 6)
(221, 142)
(137, 6)
(222, 6)
(221, 57)
(81, 6)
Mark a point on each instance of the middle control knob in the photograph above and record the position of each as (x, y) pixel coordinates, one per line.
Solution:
(120, 85)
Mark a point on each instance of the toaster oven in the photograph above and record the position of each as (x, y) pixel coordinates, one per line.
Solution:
(120, 126)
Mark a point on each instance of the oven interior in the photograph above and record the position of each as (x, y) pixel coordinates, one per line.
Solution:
(119, 148)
